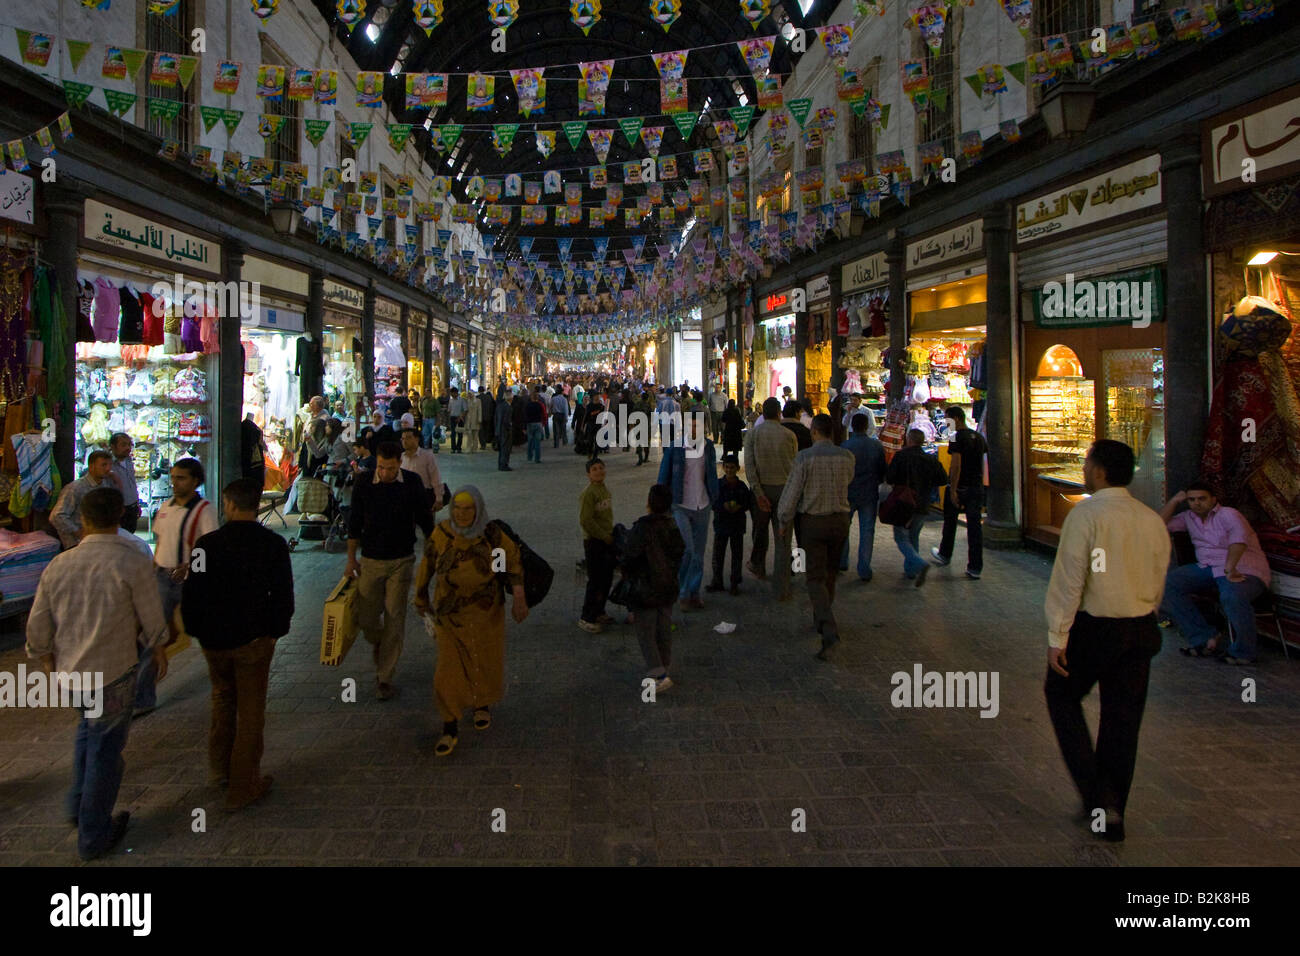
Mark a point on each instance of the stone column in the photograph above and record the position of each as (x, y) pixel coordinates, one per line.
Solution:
(404, 334)
(64, 208)
(801, 338)
(426, 351)
(312, 381)
(837, 340)
(368, 340)
(1187, 326)
(230, 388)
(896, 255)
(1001, 529)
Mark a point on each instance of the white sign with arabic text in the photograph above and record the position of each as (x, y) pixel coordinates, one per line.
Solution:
(15, 196)
(946, 247)
(132, 233)
(1115, 193)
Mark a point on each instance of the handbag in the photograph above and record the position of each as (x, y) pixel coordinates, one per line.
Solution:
(899, 507)
(621, 593)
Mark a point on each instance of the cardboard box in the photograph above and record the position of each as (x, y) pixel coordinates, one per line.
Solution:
(339, 627)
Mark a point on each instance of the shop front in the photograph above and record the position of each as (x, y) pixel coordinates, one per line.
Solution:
(816, 356)
(342, 352)
(437, 377)
(151, 304)
(864, 288)
(775, 363)
(458, 360)
(947, 296)
(1092, 307)
(417, 331)
(390, 352)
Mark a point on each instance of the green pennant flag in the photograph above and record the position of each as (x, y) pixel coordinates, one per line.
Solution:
(398, 134)
(315, 130)
(185, 67)
(211, 117)
(800, 109)
(974, 82)
(77, 50)
(164, 109)
(450, 133)
(231, 118)
(940, 98)
(741, 116)
(503, 137)
(1018, 71)
(134, 59)
(631, 128)
(77, 93)
(575, 130)
(118, 102)
(685, 123)
(269, 124)
(859, 105)
(357, 133)
(884, 116)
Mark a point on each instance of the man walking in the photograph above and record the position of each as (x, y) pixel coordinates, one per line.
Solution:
(690, 470)
(1101, 629)
(559, 419)
(914, 469)
(816, 495)
(97, 611)
(504, 428)
(66, 516)
(123, 475)
(769, 455)
(423, 463)
(965, 495)
(535, 416)
(386, 507)
(237, 604)
(456, 409)
(473, 421)
(430, 409)
(398, 405)
(179, 524)
(487, 416)
(864, 492)
(717, 405)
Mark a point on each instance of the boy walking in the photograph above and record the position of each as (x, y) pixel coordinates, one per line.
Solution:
(596, 516)
(734, 501)
(652, 558)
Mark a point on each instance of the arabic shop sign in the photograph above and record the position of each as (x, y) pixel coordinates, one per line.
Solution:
(777, 301)
(1115, 193)
(15, 196)
(1262, 137)
(865, 273)
(946, 247)
(343, 296)
(144, 237)
(1135, 298)
(387, 310)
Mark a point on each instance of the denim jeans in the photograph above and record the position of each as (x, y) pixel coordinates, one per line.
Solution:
(427, 428)
(866, 539)
(1236, 600)
(146, 690)
(560, 428)
(535, 441)
(97, 766)
(694, 526)
(908, 539)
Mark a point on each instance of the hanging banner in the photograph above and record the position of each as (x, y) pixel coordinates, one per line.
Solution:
(426, 91)
(77, 50)
(268, 125)
(231, 119)
(800, 109)
(593, 84)
(227, 79)
(545, 141)
(398, 134)
(574, 131)
(356, 133)
(665, 12)
(370, 89)
(270, 82)
(631, 127)
(77, 93)
(653, 137)
(531, 89)
(503, 137)
(685, 123)
(755, 10)
(741, 116)
(480, 92)
(673, 96)
(837, 38)
(118, 102)
(326, 89)
(600, 142)
(315, 130)
(164, 71)
(916, 83)
(930, 19)
(502, 13)
(35, 48)
(757, 52)
(427, 14)
(302, 85)
(1021, 13)
(585, 14)
(671, 65)
(770, 96)
(350, 12)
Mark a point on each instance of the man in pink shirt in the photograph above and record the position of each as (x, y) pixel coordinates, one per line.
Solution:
(1229, 559)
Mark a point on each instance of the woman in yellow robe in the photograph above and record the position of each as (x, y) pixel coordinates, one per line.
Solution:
(468, 611)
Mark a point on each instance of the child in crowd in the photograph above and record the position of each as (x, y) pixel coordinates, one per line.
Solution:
(652, 555)
(596, 516)
(734, 502)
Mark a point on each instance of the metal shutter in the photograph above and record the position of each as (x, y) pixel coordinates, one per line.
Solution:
(1129, 247)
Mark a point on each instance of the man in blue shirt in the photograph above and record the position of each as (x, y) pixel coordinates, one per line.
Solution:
(690, 469)
(864, 490)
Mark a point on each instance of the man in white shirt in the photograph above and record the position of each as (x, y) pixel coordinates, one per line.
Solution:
(423, 462)
(457, 408)
(1106, 585)
(717, 405)
(180, 522)
(854, 407)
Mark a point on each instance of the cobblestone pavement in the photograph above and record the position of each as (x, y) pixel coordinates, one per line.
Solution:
(714, 772)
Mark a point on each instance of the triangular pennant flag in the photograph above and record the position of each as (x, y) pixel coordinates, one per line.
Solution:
(975, 83)
(503, 137)
(35, 48)
(185, 67)
(742, 116)
(118, 102)
(398, 134)
(1018, 71)
(631, 127)
(450, 133)
(685, 123)
(574, 130)
(77, 50)
(940, 98)
(211, 116)
(268, 124)
(134, 59)
(800, 108)
(167, 109)
(231, 118)
(314, 128)
(357, 133)
(77, 93)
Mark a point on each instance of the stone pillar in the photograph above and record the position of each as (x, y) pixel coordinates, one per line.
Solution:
(801, 338)
(1001, 529)
(837, 340)
(896, 255)
(312, 381)
(404, 334)
(230, 388)
(368, 340)
(1187, 327)
(64, 208)
(426, 352)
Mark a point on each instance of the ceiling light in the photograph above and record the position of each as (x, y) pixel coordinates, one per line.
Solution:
(372, 32)
(1262, 258)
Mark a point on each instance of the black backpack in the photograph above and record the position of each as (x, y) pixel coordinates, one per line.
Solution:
(538, 575)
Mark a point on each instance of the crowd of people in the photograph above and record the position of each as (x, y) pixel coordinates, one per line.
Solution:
(807, 475)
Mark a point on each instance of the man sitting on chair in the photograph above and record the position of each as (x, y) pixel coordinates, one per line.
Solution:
(1229, 559)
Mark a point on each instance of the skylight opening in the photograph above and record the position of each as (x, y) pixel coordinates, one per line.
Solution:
(372, 33)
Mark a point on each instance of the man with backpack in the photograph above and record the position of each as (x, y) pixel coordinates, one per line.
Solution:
(918, 473)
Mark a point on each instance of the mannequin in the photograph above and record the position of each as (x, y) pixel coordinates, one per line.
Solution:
(309, 366)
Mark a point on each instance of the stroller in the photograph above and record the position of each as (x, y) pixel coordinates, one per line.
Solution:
(322, 511)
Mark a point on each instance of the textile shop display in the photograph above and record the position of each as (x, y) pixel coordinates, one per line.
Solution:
(23, 557)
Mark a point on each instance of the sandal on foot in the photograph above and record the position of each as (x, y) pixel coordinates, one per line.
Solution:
(482, 719)
(1202, 650)
(446, 744)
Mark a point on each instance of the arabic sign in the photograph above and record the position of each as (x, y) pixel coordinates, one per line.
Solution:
(946, 247)
(343, 296)
(819, 288)
(1264, 134)
(1115, 193)
(777, 301)
(864, 273)
(132, 233)
(15, 196)
(440, 325)
(387, 310)
(272, 275)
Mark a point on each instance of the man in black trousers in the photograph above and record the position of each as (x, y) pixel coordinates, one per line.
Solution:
(1101, 606)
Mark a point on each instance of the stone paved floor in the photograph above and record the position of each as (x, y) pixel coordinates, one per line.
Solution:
(712, 773)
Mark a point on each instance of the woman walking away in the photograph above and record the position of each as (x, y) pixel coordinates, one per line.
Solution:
(468, 611)
(652, 559)
(733, 427)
